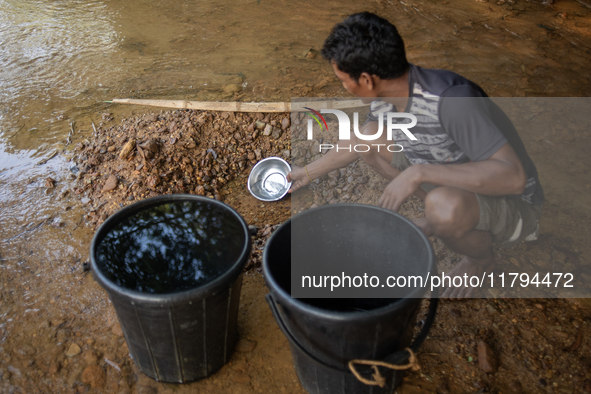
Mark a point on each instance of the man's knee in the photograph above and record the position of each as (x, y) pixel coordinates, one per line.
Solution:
(451, 212)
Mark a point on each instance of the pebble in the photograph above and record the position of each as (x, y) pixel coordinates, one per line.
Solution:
(85, 200)
(127, 148)
(117, 330)
(494, 292)
(239, 365)
(284, 123)
(73, 350)
(54, 368)
(232, 88)
(268, 130)
(456, 312)
(94, 376)
(13, 371)
(90, 358)
(26, 351)
(241, 378)
(277, 133)
(110, 184)
(487, 359)
(245, 345)
(260, 125)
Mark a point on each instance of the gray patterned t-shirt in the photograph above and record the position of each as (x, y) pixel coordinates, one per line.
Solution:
(456, 124)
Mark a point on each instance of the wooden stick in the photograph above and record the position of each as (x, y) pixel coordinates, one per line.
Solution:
(244, 107)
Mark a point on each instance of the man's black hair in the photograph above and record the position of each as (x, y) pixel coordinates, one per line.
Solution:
(364, 42)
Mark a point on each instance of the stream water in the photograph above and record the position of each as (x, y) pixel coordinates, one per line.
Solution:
(61, 60)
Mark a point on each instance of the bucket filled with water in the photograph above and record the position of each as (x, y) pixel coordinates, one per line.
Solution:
(172, 266)
(345, 344)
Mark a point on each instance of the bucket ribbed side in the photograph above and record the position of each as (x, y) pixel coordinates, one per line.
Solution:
(181, 343)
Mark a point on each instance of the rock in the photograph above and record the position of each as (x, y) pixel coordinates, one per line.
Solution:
(111, 148)
(309, 53)
(232, 88)
(14, 372)
(90, 358)
(127, 149)
(542, 264)
(117, 330)
(239, 365)
(258, 154)
(147, 390)
(153, 181)
(514, 261)
(487, 359)
(110, 184)
(54, 368)
(73, 350)
(284, 123)
(245, 345)
(93, 161)
(94, 376)
(85, 200)
(277, 133)
(200, 190)
(150, 145)
(25, 351)
(50, 183)
(240, 378)
(260, 125)
(268, 130)
(286, 153)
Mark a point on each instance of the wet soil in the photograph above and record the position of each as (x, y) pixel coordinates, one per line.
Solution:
(63, 336)
(58, 331)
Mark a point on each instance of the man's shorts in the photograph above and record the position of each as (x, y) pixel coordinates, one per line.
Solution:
(509, 218)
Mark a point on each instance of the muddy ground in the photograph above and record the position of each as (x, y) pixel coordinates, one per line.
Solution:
(63, 336)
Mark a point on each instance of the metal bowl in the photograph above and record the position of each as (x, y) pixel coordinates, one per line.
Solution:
(268, 179)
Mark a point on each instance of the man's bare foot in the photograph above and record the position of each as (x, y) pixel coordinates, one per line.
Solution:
(422, 224)
(469, 268)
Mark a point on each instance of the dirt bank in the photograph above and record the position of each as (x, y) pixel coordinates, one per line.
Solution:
(61, 335)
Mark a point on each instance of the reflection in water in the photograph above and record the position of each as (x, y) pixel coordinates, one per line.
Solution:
(171, 247)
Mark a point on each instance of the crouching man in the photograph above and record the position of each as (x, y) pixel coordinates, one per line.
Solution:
(467, 163)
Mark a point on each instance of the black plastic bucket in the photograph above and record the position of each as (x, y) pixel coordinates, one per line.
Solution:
(325, 334)
(172, 266)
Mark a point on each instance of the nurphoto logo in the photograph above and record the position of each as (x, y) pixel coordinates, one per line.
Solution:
(393, 120)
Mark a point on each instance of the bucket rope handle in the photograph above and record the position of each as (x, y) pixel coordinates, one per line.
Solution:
(378, 379)
(408, 355)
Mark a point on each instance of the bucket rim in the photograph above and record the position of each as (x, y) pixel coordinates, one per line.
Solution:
(284, 296)
(174, 297)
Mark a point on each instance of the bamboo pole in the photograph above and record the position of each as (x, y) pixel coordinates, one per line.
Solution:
(236, 106)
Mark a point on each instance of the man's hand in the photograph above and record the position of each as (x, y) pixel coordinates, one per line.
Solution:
(298, 178)
(400, 188)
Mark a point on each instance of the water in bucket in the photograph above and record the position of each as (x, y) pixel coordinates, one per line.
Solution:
(170, 247)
